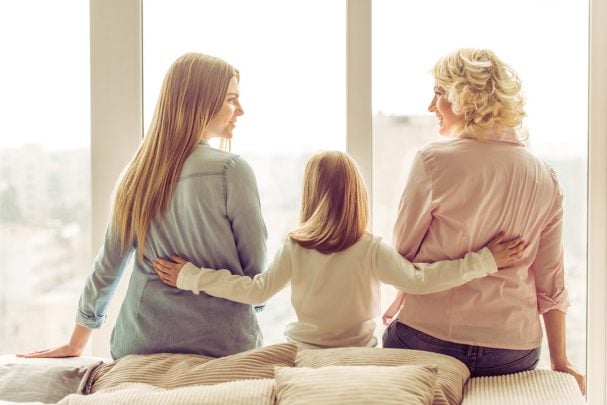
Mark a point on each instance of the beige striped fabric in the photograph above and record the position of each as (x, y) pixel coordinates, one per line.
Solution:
(179, 370)
(451, 377)
(541, 386)
(247, 392)
(355, 385)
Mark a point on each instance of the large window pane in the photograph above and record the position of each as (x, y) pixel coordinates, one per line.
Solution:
(291, 57)
(409, 37)
(44, 170)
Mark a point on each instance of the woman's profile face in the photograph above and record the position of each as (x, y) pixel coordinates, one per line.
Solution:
(223, 123)
(441, 107)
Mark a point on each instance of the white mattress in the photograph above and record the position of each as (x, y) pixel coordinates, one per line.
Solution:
(545, 387)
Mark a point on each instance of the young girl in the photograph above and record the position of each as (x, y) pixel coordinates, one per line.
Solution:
(334, 266)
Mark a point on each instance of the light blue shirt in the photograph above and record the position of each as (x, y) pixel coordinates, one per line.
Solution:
(213, 220)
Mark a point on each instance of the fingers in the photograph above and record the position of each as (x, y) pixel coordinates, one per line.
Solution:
(513, 243)
(166, 272)
(165, 264)
(35, 353)
(497, 238)
(179, 260)
(46, 353)
(167, 279)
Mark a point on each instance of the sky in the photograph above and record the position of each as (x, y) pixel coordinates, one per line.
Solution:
(292, 61)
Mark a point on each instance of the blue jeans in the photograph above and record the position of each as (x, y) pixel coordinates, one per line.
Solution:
(481, 361)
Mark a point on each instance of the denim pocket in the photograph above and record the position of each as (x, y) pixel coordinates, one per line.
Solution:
(496, 361)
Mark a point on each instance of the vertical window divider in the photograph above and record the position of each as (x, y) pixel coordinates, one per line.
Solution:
(597, 207)
(116, 119)
(359, 120)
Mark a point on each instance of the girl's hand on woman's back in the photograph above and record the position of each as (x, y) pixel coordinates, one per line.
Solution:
(507, 252)
(168, 270)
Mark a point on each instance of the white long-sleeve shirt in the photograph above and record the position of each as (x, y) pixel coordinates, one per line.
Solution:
(336, 296)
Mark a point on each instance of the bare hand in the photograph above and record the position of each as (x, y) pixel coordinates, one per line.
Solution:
(61, 351)
(168, 270)
(569, 369)
(506, 252)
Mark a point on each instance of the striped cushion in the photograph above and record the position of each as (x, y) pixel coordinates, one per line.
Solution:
(451, 377)
(355, 385)
(179, 370)
(247, 392)
(524, 388)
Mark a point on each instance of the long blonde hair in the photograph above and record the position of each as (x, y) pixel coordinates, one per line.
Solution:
(482, 89)
(193, 91)
(334, 204)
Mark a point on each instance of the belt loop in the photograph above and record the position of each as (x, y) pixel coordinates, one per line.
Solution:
(469, 351)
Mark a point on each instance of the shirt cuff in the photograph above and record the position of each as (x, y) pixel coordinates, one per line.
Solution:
(90, 322)
(186, 280)
(558, 300)
(489, 263)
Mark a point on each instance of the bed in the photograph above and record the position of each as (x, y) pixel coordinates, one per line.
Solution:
(276, 374)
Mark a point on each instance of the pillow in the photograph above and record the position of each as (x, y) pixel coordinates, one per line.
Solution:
(354, 385)
(451, 377)
(540, 386)
(44, 380)
(245, 392)
(167, 370)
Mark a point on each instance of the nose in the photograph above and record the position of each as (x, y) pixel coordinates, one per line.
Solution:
(239, 110)
(432, 106)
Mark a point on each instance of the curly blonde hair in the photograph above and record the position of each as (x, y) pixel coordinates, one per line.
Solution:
(482, 89)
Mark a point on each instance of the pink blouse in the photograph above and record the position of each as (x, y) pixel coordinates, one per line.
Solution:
(460, 193)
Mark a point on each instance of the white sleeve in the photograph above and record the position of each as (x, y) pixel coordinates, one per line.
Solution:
(223, 284)
(421, 278)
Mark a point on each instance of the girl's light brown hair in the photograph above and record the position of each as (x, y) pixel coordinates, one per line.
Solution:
(193, 91)
(334, 205)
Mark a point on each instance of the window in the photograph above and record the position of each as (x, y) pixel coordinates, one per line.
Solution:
(117, 38)
(408, 38)
(292, 88)
(45, 204)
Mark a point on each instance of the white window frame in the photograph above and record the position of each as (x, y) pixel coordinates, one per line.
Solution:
(116, 121)
(596, 347)
(117, 129)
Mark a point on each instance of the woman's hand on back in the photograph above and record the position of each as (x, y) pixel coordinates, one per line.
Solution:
(168, 270)
(507, 252)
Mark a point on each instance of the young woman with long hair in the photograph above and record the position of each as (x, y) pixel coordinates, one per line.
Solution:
(178, 194)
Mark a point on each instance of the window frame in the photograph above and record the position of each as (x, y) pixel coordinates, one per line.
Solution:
(117, 129)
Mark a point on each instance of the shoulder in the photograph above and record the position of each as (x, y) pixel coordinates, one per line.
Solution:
(210, 160)
(368, 243)
(553, 178)
(438, 150)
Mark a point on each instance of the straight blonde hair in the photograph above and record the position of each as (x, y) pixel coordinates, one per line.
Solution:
(193, 91)
(334, 204)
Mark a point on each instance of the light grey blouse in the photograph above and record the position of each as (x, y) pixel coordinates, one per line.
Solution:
(213, 220)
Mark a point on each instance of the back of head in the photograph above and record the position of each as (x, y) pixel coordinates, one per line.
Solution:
(193, 91)
(482, 89)
(334, 207)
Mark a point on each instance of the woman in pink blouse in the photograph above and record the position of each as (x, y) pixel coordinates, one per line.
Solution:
(461, 192)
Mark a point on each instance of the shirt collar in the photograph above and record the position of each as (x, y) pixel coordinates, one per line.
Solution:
(498, 134)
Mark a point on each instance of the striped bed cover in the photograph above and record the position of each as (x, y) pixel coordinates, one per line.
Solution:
(545, 387)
